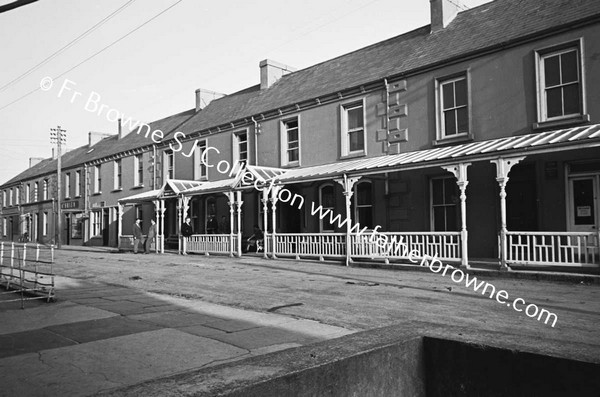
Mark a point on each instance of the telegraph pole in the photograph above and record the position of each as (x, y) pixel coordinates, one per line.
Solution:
(58, 136)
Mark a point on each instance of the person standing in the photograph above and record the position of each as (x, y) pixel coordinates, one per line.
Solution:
(224, 225)
(186, 231)
(151, 236)
(137, 235)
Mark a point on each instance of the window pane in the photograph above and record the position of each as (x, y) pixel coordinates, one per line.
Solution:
(356, 141)
(363, 194)
(449, 190)
(568, 63)
(448, 95)
(552, 71)
(293, 155)
(462, 116)
(365, 217)
(439, 220)
(451, 218)
(437, 193)
(355, 118)
(571, 99)
(291, 124)
(243, 147)
(293, 135)
(327, 197)
(554, 102)
(461, 92)
(583, 201)
(449, 122)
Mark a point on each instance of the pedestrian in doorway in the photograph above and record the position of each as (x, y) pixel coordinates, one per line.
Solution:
(212, 225)
(151, 236)
(186, 231)
(255, 242)
(137, 235)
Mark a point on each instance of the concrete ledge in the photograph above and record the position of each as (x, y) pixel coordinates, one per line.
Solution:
(412, 359)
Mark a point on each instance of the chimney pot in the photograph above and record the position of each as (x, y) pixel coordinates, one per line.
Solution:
(271, 71)
(95, 137)
(35, 160)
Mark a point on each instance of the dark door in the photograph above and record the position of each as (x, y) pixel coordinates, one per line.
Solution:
(105, 224)
(521, 198)
(67, 231)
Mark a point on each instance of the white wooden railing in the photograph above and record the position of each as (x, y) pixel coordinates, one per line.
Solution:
(553, 248)
(211, 244)
(445, 245)
(309, 245)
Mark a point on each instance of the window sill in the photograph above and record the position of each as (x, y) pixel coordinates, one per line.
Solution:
(454, 139)
(578, 119)
(76, 197)
(117, 190)
(137, 187)
(353, 155)
(202, 179)
(293, 164)
(96, 193)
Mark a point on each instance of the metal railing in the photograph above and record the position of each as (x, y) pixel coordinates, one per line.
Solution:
(27, 270)
(553, 248)
(309, 245)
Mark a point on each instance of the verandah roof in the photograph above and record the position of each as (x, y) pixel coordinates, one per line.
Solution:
(563, 139)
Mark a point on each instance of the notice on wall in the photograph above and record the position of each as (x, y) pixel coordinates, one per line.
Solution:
(583, 211)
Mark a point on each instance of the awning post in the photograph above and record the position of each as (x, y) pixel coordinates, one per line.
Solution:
(265, 203)
(231, 203)
(120, 208)
(348, 185)
(503, 166)
(460, 172)
(162, 226)
(274, 198)
(239, 202)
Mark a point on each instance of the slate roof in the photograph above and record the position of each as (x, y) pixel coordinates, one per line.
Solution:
(487, 26)
(105, 147)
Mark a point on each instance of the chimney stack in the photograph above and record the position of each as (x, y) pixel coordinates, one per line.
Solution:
(442, 13)
(271, 71)
(120, 130)
(95, 137)
(35, 160)
(204, 97)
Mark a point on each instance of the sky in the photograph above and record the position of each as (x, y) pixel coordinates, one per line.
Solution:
(154, 71)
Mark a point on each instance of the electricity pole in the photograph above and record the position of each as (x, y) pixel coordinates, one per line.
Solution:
(58, 136)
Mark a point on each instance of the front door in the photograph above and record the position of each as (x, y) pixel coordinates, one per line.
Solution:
(584, 203)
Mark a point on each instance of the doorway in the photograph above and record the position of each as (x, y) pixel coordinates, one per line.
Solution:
(105, 227)
(583, 203)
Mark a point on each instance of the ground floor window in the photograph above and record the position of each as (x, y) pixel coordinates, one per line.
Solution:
(327, 202)
(363, 204)
(96, 221)
(45, 223)
(443, 198)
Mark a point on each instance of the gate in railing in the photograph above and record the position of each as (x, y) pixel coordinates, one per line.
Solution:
(553, 248)
(27, 270)
(211, 244)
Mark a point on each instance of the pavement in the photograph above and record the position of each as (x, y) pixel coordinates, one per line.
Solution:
(97, 337)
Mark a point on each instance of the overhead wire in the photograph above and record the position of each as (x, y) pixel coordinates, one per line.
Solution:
(66, 46)
(96, 53)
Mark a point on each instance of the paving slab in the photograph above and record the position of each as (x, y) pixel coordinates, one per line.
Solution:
(88, 331)
(50, 314)
(201, 330)
(91, 367)
(175, 318)
(264, 336)
(31, 341)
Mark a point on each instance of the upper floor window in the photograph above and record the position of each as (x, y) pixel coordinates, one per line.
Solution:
(453, 99)
(118, 176)
(240, 146)
(10, 197)
(560, 83)
(444, 197)
(97, 179)
(27, 193)
(363, 204)
(327, 202)
(36, 189)
(67, 185)
(45, 189)
(77, 183)
(4, 195)
(290, 142)
(17, 196)
(353, 128)
(138, 170)
(200, 168)
(169, 165)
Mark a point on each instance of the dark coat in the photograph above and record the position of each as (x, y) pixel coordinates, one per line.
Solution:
(137, 231)
(152, 231)
(186, 230)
